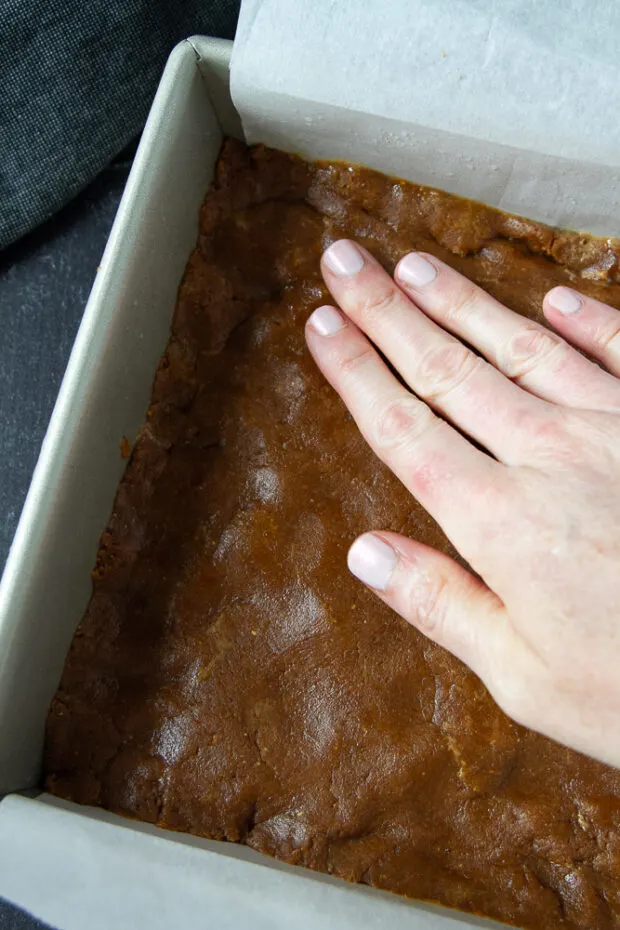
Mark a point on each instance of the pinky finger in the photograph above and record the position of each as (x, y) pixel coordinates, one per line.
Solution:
(587, 323)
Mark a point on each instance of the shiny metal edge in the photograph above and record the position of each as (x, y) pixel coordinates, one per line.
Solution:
(104, 396)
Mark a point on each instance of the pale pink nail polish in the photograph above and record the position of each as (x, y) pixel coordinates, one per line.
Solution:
(415, 270)
(344, 258)
(372, 561)
(564, 300)
(326, 321)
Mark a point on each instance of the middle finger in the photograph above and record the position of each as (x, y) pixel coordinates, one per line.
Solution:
(439, 368)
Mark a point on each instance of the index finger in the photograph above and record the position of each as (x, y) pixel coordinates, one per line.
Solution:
(450, 477)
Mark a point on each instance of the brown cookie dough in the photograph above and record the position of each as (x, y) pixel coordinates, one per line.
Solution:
(230, 678)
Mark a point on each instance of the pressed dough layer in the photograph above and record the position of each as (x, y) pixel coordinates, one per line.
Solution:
(230, 678)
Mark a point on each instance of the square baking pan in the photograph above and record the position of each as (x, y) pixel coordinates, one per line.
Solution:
(46, 585)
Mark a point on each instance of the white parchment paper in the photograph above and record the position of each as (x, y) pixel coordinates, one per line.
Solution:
(78, 871)
(513, 102)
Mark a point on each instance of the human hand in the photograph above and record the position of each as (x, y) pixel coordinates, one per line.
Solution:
(537, 516)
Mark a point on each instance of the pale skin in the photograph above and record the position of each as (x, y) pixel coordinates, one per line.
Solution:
(536, 515)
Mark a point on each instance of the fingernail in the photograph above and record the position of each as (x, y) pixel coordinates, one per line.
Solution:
(372, 561)
(326, 321)
(564, 300)
(415, 270)
(344, 258)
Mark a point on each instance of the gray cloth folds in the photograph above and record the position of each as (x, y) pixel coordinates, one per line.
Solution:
(77, 80)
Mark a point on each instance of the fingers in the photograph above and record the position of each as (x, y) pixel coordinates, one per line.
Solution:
(438, 465)
(525, 352)
(588, 323)
(437, 596)
(438, 368)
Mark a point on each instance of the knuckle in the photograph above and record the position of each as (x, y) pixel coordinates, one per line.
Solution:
(609, 340)
(427, 604)
(444, 368)
(527, 350)
(356, 357)
(402, 421)
(463, 304)
(376, 304)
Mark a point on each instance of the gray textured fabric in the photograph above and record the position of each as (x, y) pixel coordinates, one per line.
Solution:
(12, 918)
(77, 78)
(45, 279)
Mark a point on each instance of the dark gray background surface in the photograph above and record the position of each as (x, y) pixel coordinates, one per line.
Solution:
(45, 280)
